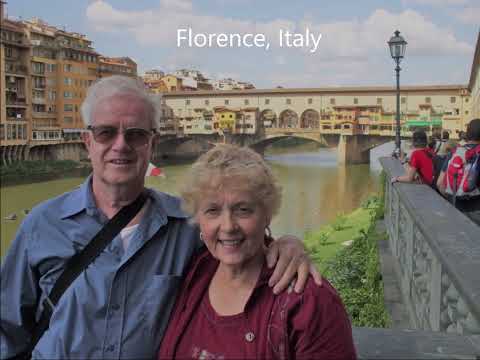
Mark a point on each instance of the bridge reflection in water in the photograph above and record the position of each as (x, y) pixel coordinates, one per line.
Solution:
(436, 251)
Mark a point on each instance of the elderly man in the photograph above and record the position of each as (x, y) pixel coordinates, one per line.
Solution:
(119, 305)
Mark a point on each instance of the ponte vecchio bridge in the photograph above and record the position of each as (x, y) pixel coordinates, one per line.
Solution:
(353, 143)
(355, 119)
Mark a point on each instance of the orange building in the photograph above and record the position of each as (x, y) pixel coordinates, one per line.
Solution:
(15, 93)
(64, 65)
(108, 66)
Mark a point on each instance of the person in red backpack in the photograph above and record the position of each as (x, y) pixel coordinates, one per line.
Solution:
(420, 165)
(459, 178)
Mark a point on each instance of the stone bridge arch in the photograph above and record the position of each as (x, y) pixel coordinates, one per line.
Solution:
(327, 140)
(185, 146)
(310, 119)
(288, 119)
(268, 118)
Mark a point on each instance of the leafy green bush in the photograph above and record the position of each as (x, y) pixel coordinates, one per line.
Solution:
(340, 222)
(323, 238)
(354, 272)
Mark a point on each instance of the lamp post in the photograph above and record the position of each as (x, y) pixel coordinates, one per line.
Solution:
(397, 46)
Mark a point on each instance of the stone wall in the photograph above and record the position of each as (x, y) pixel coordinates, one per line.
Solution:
(437, 253)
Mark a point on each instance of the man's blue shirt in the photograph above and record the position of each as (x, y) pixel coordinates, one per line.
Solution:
(120, 305)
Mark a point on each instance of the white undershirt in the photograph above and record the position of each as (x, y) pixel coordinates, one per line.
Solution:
(127, 234)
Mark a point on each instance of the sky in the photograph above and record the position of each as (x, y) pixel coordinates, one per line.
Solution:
(351, 37)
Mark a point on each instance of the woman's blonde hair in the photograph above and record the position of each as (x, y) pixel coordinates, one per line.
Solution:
(233, 167)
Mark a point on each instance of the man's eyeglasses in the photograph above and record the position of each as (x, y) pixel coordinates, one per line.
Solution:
(134, 137)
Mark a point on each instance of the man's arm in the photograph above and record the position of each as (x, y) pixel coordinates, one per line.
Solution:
(18, 296)
(292, 263)
(408, 177)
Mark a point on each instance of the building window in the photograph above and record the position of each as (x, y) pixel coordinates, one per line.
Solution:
(67, 68)
(2, 132)
(404, 100)
(453, 99)
(466, 112)
(267, 101)
(466, 100)
(68, 107)
(310, 101)
(246, 102)
(68, 120)
(332, 101)
(68, 95)
(428, 100)
(207, 102)
(187, 102)
(288, 101)
(227, 102)
(38, 82)
(355, 101)
(38, 68)
(51, 67)
(379, 101)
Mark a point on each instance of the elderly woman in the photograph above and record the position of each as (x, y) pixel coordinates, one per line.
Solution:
(225, 309)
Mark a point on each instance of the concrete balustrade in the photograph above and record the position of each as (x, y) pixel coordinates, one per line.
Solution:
(437, 253)
(383, 344)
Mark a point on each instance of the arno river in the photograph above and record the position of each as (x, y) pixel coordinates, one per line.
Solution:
(315, 189)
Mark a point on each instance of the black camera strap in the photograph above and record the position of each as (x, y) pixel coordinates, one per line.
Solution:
(79, 262)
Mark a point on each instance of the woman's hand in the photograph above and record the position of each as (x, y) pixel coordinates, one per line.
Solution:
(292, 264)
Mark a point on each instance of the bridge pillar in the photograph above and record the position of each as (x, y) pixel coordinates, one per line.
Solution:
(350, 150)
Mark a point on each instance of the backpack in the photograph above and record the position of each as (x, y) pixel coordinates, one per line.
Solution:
(438, 161)
(463, 173)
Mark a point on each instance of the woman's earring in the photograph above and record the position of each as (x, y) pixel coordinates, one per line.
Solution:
(201, 236)
(268, 232)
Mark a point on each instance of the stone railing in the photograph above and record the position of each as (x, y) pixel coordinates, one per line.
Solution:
(382, 344)
(437, 253)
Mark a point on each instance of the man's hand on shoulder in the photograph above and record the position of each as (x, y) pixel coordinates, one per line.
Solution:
(292, 264)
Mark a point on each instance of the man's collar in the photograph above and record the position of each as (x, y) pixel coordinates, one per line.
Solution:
(81, 199)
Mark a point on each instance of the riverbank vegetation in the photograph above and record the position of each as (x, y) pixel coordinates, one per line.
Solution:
(346, 252)
(37, 170)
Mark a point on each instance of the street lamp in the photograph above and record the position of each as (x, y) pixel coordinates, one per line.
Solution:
(397, 46)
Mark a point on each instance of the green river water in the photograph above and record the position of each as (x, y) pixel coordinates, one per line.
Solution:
(315, 190)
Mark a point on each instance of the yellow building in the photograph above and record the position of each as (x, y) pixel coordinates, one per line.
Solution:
(156, 86)
(172, 83)
(15, 88)
(225, 119)
(108, 66)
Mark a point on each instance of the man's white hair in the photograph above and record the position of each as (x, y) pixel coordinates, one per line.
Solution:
(119, 85)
